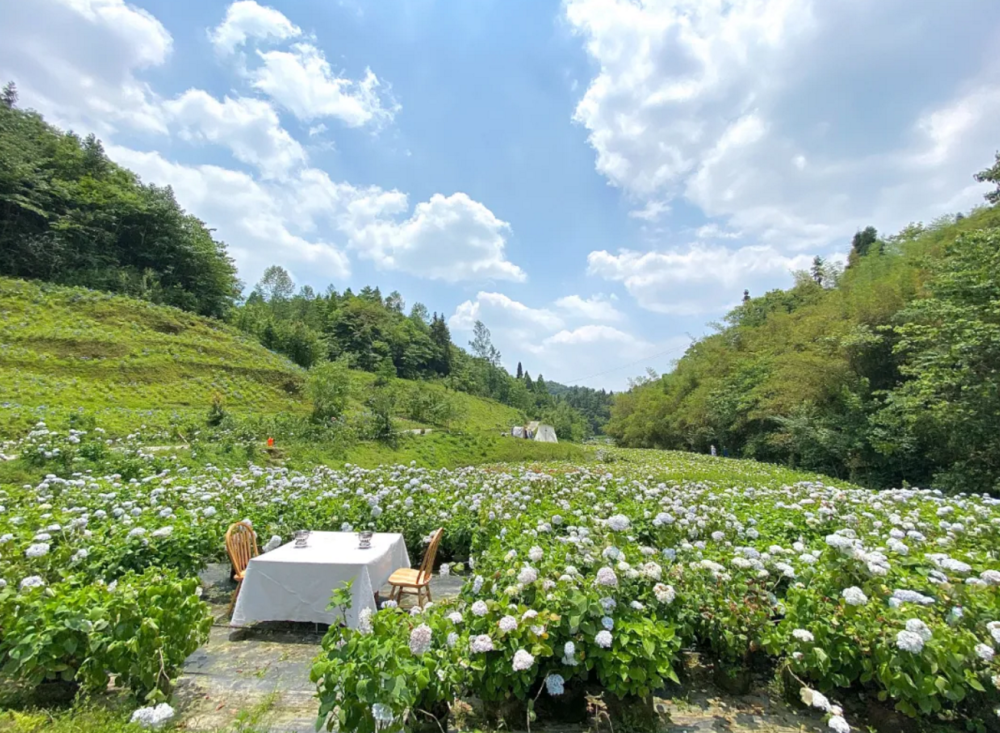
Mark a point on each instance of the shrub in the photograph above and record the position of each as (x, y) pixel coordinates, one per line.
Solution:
(328, 387)
(372, 680)
(138, 630)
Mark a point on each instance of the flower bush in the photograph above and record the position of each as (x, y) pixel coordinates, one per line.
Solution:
(595, 574)
(138, 630)
(378, 677)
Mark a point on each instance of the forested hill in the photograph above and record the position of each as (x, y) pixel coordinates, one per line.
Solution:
(380, 333)
(593, 404)
(887, 372)
(71, 216)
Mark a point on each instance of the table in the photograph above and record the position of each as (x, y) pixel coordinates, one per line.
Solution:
(295, 584)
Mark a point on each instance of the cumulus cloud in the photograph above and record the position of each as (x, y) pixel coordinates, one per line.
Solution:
(246, 20)
(593, 333)
(504, 312)
(302, 81)
(595, 308)
(76, 61)
(299, 77)
(701, 279)
(540, 339)
(652, 211)
(307, 219)
(792, 121)
(250, 128)
(449, 238)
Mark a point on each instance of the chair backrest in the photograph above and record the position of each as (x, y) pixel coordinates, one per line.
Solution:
(241, 545)
(427, 566)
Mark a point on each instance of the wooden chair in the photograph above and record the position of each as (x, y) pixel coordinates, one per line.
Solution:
(416, 581)
(241, 545)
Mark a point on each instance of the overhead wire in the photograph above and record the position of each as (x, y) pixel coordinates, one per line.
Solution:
(626, 366)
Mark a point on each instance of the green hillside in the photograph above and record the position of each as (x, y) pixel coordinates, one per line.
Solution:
(883, 373)
(128, 363)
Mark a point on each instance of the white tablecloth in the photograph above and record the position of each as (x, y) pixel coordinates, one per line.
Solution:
(294, 584)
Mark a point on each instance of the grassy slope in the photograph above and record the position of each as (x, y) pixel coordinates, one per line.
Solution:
(130, 364)
(63, 349)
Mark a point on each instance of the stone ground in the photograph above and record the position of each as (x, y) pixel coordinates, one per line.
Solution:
(258, 679)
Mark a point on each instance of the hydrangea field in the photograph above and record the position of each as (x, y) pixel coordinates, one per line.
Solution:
(577, 577)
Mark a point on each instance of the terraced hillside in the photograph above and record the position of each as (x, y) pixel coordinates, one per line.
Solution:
(68, 351)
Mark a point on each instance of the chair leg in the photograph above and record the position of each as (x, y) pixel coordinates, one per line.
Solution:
(427, 589)
(232, 603)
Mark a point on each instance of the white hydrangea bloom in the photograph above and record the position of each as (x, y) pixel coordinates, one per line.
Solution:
(40, 549)
(910, 641)
(481, 644)
(153, 717)
(606, 577)
(420, 639)
(522, 660)
(854, 596)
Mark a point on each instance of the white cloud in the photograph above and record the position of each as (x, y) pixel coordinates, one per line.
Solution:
(303, 82)
(540, 340)
(449, 238)
(307, 220)
(503, 312)
(248, 127)
(701, 279)
(300, 78)
(596, 308)
(714, 231)
(75, 61)
(792, 121)
(593, 333)
(651, 211)
(252, 217)
(247, 20)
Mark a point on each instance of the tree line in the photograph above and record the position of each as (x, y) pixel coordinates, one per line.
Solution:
(373, 332)
(886, 372)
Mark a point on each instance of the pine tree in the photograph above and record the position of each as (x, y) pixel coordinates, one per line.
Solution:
(862, 244)
(817, 269)
(441, 338)
(520, 372)
(8, 97)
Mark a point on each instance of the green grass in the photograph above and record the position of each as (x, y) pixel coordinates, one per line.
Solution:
(448, 450)
(112, 715)
(127, 362)
(474, 413)
(66, 353)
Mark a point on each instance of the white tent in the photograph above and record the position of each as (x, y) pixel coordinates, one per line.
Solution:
(546, 434)
(542, 433)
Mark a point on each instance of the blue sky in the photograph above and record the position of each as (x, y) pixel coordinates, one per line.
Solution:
(597, 180)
